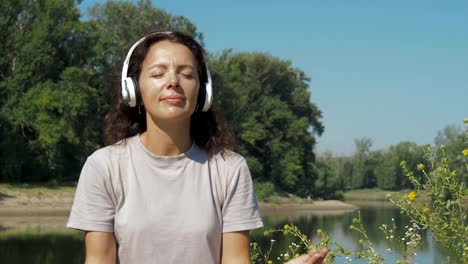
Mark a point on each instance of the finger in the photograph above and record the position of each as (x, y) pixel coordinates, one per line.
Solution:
(303, 259)
(323, 253)
(316, 257)
(300, 260)
(312, 252)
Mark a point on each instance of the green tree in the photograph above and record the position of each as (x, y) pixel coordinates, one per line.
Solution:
(362, 172)
(56, 74)
(388, 171)
(44, 39)
(328, 184)
(454, 139)
(54, 112)
(276, 127)
(448, 135)
(347, 173)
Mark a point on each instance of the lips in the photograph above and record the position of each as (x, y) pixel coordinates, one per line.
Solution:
(173, 99)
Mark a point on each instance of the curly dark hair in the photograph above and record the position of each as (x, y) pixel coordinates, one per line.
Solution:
(207, 129)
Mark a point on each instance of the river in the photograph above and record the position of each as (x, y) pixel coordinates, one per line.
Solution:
(43, 239)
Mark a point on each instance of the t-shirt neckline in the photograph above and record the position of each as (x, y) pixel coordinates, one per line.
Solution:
(166, 160)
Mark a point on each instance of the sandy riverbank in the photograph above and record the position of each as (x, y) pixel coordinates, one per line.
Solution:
(20, 206)
(39, 216)
(50, 201)
(39, 208)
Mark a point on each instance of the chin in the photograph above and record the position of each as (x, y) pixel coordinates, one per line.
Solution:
(177, 115)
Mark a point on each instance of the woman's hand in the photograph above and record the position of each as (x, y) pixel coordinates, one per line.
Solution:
(314, 257)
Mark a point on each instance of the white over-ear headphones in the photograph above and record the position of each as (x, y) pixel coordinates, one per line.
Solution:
(131, 92)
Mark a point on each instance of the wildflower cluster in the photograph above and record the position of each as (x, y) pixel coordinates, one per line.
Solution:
(408, 244)
(301, 245)
(411, 197)
(412, 240)
(389, 232)
(437, 203)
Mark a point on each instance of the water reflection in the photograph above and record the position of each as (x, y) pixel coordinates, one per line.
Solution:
(44, 239)
(337, 227)
(42, 249)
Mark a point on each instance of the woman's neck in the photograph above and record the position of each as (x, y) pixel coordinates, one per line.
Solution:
(167, 139)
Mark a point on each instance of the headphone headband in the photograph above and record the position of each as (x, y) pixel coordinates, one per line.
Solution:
(129, 92)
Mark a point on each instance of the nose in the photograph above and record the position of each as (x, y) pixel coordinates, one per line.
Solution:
(173, 79)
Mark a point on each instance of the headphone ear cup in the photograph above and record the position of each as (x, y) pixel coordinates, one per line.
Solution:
(138, 99)
(130, 92)
(201, 98)
(208, 93)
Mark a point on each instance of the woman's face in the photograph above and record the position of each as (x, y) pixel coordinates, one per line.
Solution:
(169, 82)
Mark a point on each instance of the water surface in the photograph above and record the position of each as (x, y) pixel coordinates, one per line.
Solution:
(44, 239)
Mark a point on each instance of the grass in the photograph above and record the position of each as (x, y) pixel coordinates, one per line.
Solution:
(371, 194)
(283, 199)
(28, 234)
(36, 190)
(378, 195)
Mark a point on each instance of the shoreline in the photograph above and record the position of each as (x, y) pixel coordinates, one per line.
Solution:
(57, 201)
(46, 209)
(320, 205)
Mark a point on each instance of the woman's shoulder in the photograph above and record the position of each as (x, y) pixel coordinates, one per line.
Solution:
(228, 158)
(112, 152)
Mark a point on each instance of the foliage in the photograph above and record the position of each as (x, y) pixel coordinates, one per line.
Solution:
(408, 244)
(58, 68)
(388, 171)
(381, 168)
(301, 245)
(264, 190)
(327, 185)
(444, 215)
(54, 111)
(56, 73)
(274, 133)
(368, 251)
(41, 46)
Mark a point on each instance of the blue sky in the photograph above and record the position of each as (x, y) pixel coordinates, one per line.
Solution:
(389, 70)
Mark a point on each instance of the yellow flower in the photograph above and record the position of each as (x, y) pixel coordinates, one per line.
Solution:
(411, 196)
(465, 152)
(420, 167)
(465, 120)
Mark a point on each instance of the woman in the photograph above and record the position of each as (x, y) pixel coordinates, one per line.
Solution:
(167, 188)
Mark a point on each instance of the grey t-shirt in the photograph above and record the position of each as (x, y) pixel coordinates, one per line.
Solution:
(170, 209)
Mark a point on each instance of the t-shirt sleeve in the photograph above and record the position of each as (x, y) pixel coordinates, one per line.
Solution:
(93, 208)
(240, 209)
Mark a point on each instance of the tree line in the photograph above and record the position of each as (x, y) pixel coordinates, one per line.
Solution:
(382, 168)
(57, 68)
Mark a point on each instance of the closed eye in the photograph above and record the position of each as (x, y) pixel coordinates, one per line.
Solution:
(188, 76)
(158, 75)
